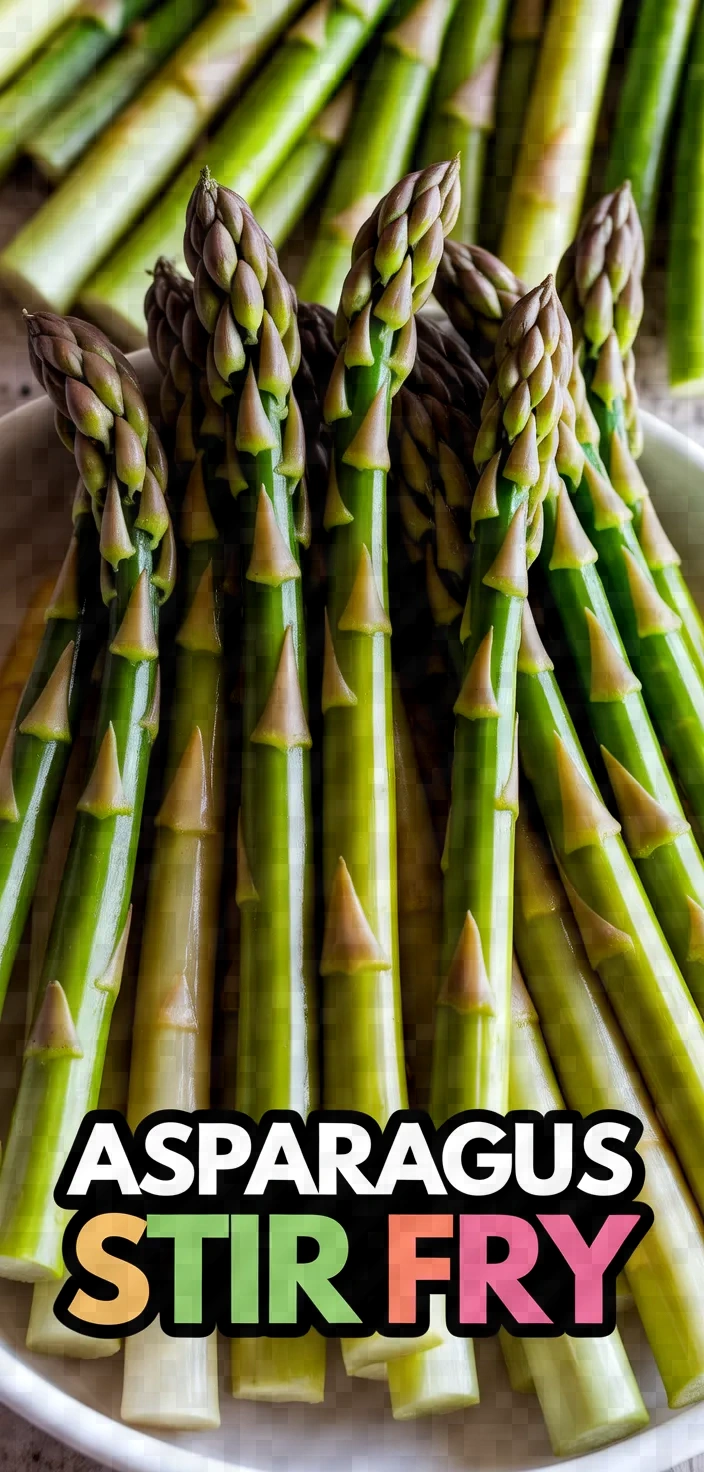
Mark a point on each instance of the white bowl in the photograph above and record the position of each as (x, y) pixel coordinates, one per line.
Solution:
(79, 1402)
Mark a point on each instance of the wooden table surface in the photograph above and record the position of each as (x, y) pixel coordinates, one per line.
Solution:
(22, 1447)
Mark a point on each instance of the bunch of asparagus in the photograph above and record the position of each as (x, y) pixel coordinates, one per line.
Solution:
(361, 509)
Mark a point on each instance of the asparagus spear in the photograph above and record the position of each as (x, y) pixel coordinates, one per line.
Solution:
(470, 1060)
(461, 113)
(24, 26)
(119, 457)
(65, 134)
(519, 61)
(240, 293)
(604, 297)
(596, 1071)
(57, 70)
(656, 831)
(285, 200)
(380, 142)
(621, 936)
(394, 260)
(650, 630)
(40, 732)
(246, 152)
(587, 1390)
(647, 101)
(551, 172)
(19, 661)
(685, 270)
(50, 258)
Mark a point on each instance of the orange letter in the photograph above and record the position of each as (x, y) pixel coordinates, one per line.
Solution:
(132, 1286)
(406, 1269)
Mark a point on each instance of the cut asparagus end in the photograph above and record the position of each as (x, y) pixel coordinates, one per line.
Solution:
(443, 1379)
(372, 1372)
(517, 1367)
(46, 1335)
(587, 1391)
(359, 1354)
(170, 1382)
(279, 1369)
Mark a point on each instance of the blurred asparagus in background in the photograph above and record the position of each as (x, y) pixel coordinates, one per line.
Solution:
(519, 61)
(24, 26)
(639, 135)
(461, 112)
(54, 253)
(66, 133)
(685, 282)
(286, 199)
(54, 74)
(553, 161)
(245, 153)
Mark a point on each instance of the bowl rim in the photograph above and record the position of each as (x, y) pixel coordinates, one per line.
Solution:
(124, 1448)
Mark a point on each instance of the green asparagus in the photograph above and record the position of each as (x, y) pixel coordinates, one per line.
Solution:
(120, 458)
(240, 293)
(551, 171)
(66, 132)
(597, 1071)
(394, 261)
(685, 272)
(601, 275)
(293, 189)
(380, 142)
(587, 1390)
(519, 60)
(246, 152)
(649, 92)
(24, 26)
(54, 253)
(461, 112)
(621, 936)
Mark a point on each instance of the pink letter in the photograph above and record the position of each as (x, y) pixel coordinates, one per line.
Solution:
(588, 1263)
(477, 1274)
(406, 1269)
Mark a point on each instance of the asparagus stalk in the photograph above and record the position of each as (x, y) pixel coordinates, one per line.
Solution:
(51, 257)
(470, 1060)
(419, 906)
(647, 101)
(656, 832)
(239, 289)
(62, 137)
(621, 936)
(517, 1367)
(461, 113)
(19, 661)
(519, 60)
(649, 628)
(45, 1333)
(685, 271)
(24, 26)
(285, 200)
(597, 1071)
(252, 144)
(551, 172)
(604, 296)
(119, 457)
(587, 1390)
(380, 143)
(394, 260)
(173, 1382)
(41, 730)
(44, 85)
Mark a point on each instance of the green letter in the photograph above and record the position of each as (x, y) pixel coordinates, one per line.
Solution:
(286, 1273)
(244, 1260)
(189, 1233)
